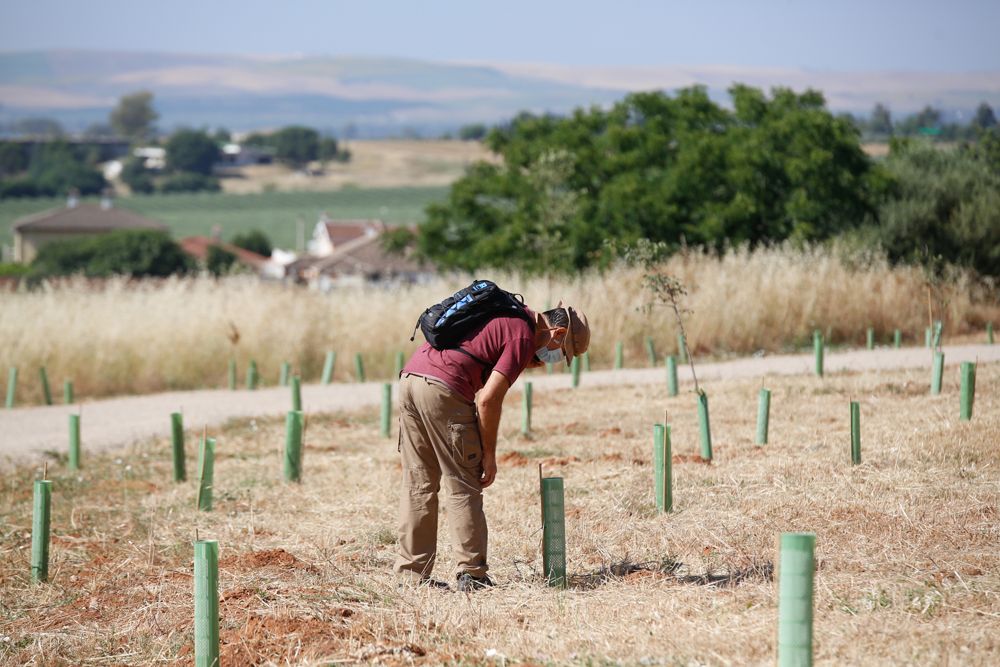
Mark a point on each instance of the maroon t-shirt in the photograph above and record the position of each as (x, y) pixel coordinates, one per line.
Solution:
(507, 343)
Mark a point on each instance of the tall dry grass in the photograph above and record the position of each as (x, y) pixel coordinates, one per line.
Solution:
(126, 337)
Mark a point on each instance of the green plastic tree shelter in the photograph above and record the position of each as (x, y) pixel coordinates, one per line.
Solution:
(553, 531)
(177, 445)
(526, 409)
(763, 415)
(927, 337)
(650, 350)
(43, 378)
(574, 367)
(11, 386)
(286, 371)
(294, 422)
(328, 365)
(586, 361)
(703, 427)
(206, 473)
(68, 392)
(619, 355)
(41, 513)
(206, 603)
(897, 338)
(938, 328)
(968, 393)
(937, 373)
(870, 338)
(796, 563)
(671, 375)
(359, 368)
(818, 351)
(385, 414)
(662, 468)
(296, 393)
(989, 333)
(682, 355)
(855, 433)
(252, 377)
(398, 366)
(73, 461)
(231, 375)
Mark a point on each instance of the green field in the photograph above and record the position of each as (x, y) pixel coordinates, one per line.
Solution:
(276, 213)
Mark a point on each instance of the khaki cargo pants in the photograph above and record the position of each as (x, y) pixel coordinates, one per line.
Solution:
(439, 442)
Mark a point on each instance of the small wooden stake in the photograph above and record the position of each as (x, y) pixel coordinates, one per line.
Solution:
(763, 415)
(385, 414)
(855, 433)
(795, 599)
(296, 393)
(177, 445)
(619, 355)
(968, 392)
(11, 386)
(206, 472)
(553, 531)
(294, 422)
(703, 427)
(937, 373)
(818, 351)
(206, 603)
(43, 378)
(41, 513)
(671, 375)
(526, 409)
(359, 368)
(73, 462)
(328, 364)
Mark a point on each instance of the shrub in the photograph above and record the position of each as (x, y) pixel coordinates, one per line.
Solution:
(219, 260)
(132, 253)
(193, 151)
(254, 241)
(188, 182)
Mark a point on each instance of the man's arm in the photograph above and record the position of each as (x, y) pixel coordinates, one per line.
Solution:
(489, 403)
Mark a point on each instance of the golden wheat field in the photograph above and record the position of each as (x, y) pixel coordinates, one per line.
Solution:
(125, 338)
(907, 543)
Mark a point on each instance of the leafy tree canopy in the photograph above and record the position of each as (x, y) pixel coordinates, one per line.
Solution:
(134, 116)
(131, 253)
(669, 169)
(254, 241)
(192, 151)
(296, 145)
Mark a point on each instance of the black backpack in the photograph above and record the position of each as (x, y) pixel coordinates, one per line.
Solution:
(445, 325)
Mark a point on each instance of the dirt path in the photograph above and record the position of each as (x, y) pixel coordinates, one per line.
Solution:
(26, 433)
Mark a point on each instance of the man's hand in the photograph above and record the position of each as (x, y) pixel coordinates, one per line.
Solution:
(489, 471)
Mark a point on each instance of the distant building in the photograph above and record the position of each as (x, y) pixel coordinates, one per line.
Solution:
(364, 261)
(74, 221)
(239, 155)
(197, 247)
(329, 235)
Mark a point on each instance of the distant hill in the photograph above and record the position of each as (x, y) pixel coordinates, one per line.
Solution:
(370, 97)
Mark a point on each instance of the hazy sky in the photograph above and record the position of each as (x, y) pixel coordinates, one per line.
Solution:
(828, 34)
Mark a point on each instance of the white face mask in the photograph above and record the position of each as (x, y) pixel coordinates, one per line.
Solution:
(547, 356)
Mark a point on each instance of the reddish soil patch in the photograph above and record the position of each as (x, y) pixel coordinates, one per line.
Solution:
(611, 458)
(689, 458)
(609, 432)
(268, 640)
(515, 459)
(559, 460)
(254, 560)
(320, 448)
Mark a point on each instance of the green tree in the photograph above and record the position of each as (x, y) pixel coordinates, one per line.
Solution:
(881, 121)
(136, 253)
(985, 119)
(472, 132)
(219, 260)
(255, 241)
(134, 116)
(296, 145)
(55, 167)
(136, 176)
(13, 158)
(191, 151)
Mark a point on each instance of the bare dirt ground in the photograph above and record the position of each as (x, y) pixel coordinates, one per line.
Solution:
(907, 546)
(106, 424)
(373, 164)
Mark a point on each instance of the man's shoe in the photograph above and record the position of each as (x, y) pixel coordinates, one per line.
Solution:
(468, 583)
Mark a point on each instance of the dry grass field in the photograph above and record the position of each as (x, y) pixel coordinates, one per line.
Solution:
(126, 338)
(908, 547)
(374, 164)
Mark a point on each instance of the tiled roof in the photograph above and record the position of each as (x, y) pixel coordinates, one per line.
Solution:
(84, 218)
(197, 247)
(343, 231)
